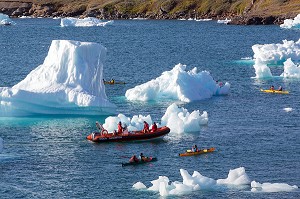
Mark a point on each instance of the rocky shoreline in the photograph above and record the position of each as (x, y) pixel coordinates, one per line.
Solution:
(23, 8)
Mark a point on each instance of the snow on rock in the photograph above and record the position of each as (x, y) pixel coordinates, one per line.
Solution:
(272, 187)
(179, 84)
(291, 23)
(5, 20)
(236, 177)
(68, 82)
(179, 120)
(85, 22)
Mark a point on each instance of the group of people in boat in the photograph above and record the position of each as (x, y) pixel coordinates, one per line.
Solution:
(122, 129)
(273, 89)
(138, 159)
(146, 129)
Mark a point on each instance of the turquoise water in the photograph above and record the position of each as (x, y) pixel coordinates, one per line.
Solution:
(48, 157)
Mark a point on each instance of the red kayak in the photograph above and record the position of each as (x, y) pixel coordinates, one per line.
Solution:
(149, 159)
(129, 136)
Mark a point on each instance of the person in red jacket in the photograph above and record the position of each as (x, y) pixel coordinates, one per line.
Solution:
(146, 127)
(120, 128)
(154, 127)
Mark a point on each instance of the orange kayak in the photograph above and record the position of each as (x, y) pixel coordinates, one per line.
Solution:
(201, 151)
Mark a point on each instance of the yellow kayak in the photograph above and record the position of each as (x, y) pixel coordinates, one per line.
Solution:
(201, 151)
(113, 82)
(274, 91)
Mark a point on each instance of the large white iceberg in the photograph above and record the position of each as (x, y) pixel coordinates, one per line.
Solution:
(85, 22)
(179, 84)
(291, 23)
(5, 20)
(68, 82)
(274, 53)
(179, 120)
(286, 53)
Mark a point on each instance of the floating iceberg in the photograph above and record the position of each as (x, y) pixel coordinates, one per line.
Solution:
(179, 84)
(179, 120)
(274, 53)
(291, 70)
(291, 23)
(236, 177)
(272, 187)
(288, 109)
(86, 22)
(68, 82)
(5, 20)
(190, 183)
(224, 21)
(284, 53)
(133, 124)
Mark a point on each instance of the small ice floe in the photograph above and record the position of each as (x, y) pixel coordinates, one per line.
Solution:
(139, 185)
(85, 22)
(291, 23)
(271, 187)
(224, 21)
(288, 109)
(5, 20)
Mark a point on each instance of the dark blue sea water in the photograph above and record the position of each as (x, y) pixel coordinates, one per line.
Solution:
(48, 157)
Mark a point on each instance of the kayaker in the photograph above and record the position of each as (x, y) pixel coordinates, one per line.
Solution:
(154, 127)
(194, 148)
(112, 81)
(142, 157)
(146, 127)
(280, 88)
(272, 88)
(134, 159)
(120, 128)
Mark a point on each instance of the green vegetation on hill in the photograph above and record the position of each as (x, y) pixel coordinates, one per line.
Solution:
(154, 9)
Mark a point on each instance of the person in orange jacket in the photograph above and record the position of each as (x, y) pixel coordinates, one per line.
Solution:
(146, 127)
(154, 127)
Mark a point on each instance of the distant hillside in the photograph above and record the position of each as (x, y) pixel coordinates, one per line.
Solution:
(241, 11)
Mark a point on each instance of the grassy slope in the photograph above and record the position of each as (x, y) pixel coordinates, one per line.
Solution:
(201, 7)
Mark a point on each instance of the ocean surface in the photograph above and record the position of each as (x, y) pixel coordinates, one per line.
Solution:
(49, 157)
